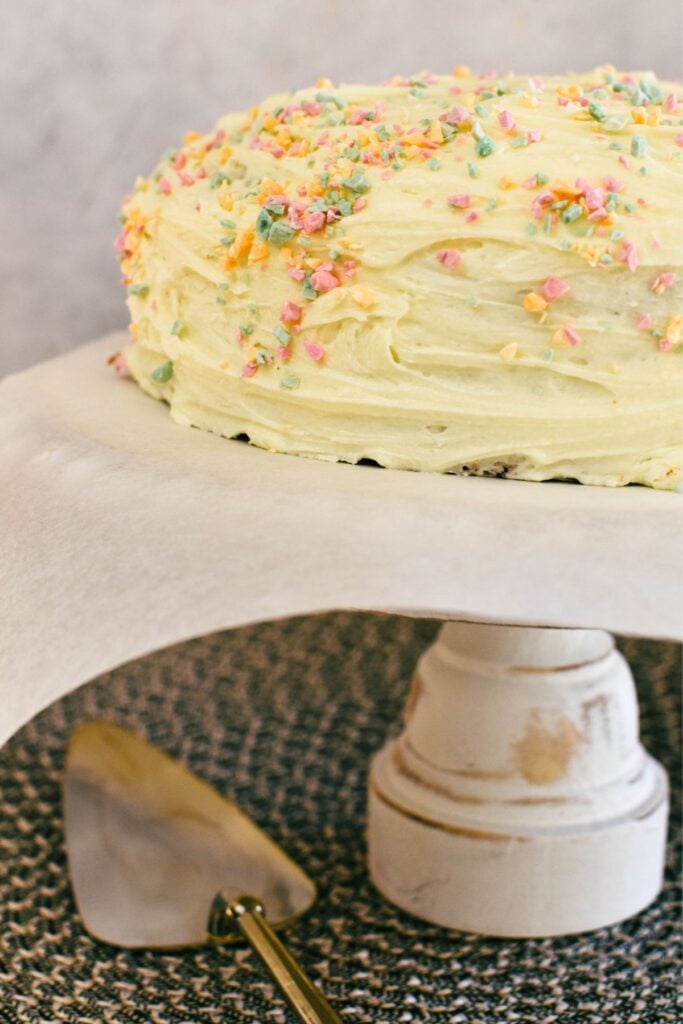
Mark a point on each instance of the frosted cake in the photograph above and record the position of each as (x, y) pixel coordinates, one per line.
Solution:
(462, 274)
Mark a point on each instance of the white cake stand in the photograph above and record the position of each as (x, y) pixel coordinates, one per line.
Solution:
(518, 800)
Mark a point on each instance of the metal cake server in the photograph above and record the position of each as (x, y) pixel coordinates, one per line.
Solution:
(159, 859)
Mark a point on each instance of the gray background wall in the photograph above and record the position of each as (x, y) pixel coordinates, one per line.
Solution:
(91, 92)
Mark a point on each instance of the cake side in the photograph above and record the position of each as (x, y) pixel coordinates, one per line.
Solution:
(447, 273)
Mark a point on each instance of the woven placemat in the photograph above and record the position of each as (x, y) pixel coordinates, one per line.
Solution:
(284, 718)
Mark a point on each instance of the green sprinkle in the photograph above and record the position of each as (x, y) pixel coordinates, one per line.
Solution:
(530, 229)
(629, 208)
(472, 301)
(397, 165)
(614, 123)
(280, 233)
(262, 358)
(247, 329)
(218, 178)
(596, 111)
(542, 179)
(275, 208)
(433, 164)
(224, 286)
(472, 170)
(616, 236)
(547, 223)
(571, 213)
(564, 244)
(264, 222)
(481, 110)
(638, 146)
(329, 97)
(382, 133)
(345, 208)
(448, 131)
(548, 355)
(220, 300)
(485, 146)
(643, 169)
(227, 239)
(162, 373)
(178, 328)
(290, 382)
(638, 98)
(356, 183)
(478, 131)
(307, 289)
(519, 141)
(325, 179)
(225, 223)
(139, 289)
(491, 205)
(416, 92)
(615, 145)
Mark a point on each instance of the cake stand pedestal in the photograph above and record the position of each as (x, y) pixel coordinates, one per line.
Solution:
(518, 800)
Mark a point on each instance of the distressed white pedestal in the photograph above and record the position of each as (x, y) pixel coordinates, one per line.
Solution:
(518, 801)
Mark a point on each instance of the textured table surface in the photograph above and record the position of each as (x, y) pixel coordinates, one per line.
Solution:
(284, 718)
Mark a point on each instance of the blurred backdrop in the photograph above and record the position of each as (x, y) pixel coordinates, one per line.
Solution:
(92, 91)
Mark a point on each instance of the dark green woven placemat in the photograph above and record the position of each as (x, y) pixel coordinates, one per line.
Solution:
(284, 717)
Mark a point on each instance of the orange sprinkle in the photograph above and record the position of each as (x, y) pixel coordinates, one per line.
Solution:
(461, 71)
(191, 137)
(225, 200)
(508, 353)
(259, 251)
(362, 296)
(224, 154)
(534, 303)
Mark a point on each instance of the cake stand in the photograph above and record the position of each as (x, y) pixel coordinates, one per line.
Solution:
(517, 800)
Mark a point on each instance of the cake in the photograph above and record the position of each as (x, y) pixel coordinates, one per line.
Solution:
(453, 273)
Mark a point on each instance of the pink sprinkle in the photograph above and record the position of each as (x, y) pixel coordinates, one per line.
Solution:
(428, 202)
(284, 352)
(250, 368)
(154, 305)
(449, 257)
(360, 204)
(624, 161)
(297, 273)
(290, 312)
(507, 121)
(534, 135)
(120, 364)
(358, 116)
(595, 198)
(315, 351)
(678, 139)
(324, 281)
(201, 173)
(198, 207)
(537, 206)
(185, 178)
(311, 222)
(644, 322)
(349, 268)
(471, 217)
(631, 256)
(612, 184)
(598, 214)
(554, 288)
(530, 182)
(664, 281)
(572, 335)
(665, 345)
(179, 161)
(462, 201)
(120, 243)
(456, 116)
(164, 187)
(670, 103)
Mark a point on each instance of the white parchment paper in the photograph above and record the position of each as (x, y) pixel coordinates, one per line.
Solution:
(121, 532)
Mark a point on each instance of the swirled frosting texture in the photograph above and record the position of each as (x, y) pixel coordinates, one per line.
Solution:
(449, 273)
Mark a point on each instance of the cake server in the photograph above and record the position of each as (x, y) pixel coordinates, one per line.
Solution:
(159, 859)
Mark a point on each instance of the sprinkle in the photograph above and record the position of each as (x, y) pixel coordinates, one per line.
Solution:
(462, 201)
(571, 213)
(534, 303)
(312, 222)
(433, 164)
(324, 281)
(162, 373)
(534, 135)
(250, 368)
(356, 183)
(472, 169)
(290, 312)
(449, 257)
(291, 382)
(315, 350)
(165, 187)
(596, 111)
(674, 330)
(670, 103)
(362, 296)
(554, 288)
(629, 255)
(508, 353)
(548, 355)
(644, 322)
(485, 146)
(661, 282)
(139, 289)
(280, 233)
(282, 334)
(297, 273)
(638, 146)
(507, 121)
(566, 335)
(612, 184)
(177, 328)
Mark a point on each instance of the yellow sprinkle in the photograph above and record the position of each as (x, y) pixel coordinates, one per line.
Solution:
(528, 100)
(259, 251)
(223, 365)
(242, 243)
(435, 134)
(324, 83)
(133, 328)
(534, 303)
(461, 71)
(674, 330)
(653, 115)
(250, 118)
(270, 188)
(362, 296)
(559, 338)
(224, 154)
(508, 353)
(639, 115)
(269, 121)
(286, 254)
(613, 368)
(313, 262)
(225, 200)
(506, 183)
(191, 137)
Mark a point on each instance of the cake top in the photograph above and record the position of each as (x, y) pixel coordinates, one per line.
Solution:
(327, 186)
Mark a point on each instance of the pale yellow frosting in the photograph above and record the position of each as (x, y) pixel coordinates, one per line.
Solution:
(481, 275)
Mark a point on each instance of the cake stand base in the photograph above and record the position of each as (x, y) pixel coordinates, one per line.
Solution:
(518, 801)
